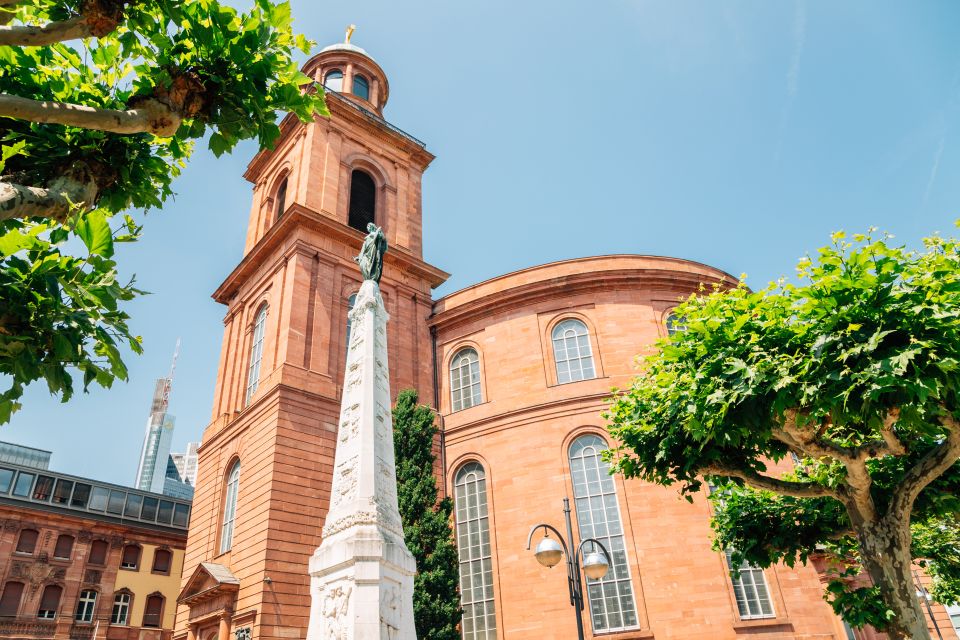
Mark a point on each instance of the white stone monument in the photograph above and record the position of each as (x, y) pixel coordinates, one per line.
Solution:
(361, 576)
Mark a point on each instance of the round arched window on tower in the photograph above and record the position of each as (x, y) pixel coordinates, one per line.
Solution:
(361, 87)
(334, 80)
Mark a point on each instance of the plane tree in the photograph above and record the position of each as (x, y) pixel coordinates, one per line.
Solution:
(848, 378)
(101, 104)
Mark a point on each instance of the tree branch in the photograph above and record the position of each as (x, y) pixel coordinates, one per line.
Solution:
(74, 188)
(766, 483)
(30, 35)
(152, 116)
(926, 470)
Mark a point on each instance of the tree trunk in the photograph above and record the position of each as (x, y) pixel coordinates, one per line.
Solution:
(885, 553)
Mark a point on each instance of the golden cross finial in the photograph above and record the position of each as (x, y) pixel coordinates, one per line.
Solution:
(350, 31)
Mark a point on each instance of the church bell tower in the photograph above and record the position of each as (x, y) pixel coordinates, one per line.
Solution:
(266, 462)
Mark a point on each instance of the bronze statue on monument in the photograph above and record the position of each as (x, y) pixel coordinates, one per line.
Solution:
(371, 253)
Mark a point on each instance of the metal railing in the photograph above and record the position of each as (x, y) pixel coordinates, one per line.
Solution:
(374, 117)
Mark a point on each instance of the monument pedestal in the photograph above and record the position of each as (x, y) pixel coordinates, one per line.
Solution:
(361, 576)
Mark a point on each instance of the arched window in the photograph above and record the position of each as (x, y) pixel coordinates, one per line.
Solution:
(98, 552)
(280, 200)
(612, 606)
(571, 351)
(334, 80)
(673, 324)
(363, 200)
(131, 557)
(49, 602)
(361, 87)
(121, 608)
(10, 600)
(256, 353)
(86, 605)
(465, 379)
(161, 561)
(352, 300)
(473, 546)
(229, 507)
(64, 547)
(153, 611)
(27, 542)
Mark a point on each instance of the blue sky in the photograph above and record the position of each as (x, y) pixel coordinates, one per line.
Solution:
(739, 134)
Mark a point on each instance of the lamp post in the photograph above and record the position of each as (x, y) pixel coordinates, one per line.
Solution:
(549, 552)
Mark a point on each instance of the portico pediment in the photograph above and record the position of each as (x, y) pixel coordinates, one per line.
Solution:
(209, 581)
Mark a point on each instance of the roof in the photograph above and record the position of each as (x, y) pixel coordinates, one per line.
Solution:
(346, 46)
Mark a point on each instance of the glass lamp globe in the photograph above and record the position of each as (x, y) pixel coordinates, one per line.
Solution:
(549, 552)
(595, 565)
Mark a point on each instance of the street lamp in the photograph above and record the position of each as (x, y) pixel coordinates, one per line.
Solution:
(550, 551)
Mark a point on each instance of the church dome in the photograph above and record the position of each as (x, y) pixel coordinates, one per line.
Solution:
(348, 70)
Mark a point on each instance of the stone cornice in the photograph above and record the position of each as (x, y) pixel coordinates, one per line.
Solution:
(449, 313)
(295, 217)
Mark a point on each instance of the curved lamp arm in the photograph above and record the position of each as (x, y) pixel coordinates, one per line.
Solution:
(547, 526)
(594, 541)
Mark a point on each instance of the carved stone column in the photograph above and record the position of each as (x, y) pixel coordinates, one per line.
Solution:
(192, 631)
(223, 633)
(361, 583)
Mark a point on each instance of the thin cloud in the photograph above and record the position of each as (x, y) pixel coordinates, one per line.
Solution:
(793, 73)
(934, 169)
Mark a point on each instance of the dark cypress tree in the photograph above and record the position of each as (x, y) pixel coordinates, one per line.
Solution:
(426, 521)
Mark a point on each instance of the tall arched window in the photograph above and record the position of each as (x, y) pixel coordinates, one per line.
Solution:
(465, 379)
(673, 324)
(49, 602)
(229, 507)
(361, 87)
(121, 608)
(280, 200)
(86, 605)
(10, 600)
(571, 351)
(352, 300)
(473, 545)
(334, 80)
(363, 200)
(612, 606)
(256, 352)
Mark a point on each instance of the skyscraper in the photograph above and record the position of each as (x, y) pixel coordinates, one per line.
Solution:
(156, 440)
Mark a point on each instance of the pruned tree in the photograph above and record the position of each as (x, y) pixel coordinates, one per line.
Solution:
(426, 521)
(100, 104)
(855, 373)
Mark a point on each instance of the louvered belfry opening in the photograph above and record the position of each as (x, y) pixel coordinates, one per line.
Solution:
(363, 200)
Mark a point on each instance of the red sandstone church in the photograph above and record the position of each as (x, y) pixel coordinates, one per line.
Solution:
(518, 368)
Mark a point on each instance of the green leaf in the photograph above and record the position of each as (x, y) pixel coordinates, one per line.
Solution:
(95, 232)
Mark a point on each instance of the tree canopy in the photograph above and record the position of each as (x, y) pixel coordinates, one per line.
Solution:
(426, 521)
(850, 379)
(101, 103)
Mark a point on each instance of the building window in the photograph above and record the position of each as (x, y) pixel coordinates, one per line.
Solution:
(465, 379)
(256, 352)
(571, 351)
(361, 87)
(751, 591)
(954, 612)
(43, 488)
(673, 324)
(363, 200)
(27, 542)
(10, 600)
(161, 561)
(86, 605)
(230, 507)
(121, 609)
(153, 612)
(131, 557)
(98, 553)
(473, 546)
(334, 80)
(21, 488)
(281, 199)
(612, 606)
(50, 602)
(64, 547)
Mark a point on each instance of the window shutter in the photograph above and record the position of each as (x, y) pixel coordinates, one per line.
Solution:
(131, 557)
(28, 541)
(161, 561)
(51, 598)
(64, 547)
(98, 553)
(151, 613)
(10, 601)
